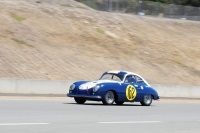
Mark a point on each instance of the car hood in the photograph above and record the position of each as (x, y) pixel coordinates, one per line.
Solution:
(91, 84)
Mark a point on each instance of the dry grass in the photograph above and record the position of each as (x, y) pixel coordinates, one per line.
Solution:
(80, 43)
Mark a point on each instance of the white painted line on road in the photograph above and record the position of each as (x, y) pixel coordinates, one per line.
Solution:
(22, 124)
(129, 122)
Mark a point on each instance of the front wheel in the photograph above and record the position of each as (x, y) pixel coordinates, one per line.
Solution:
(108, 98)
(80, 100)
(147, 100)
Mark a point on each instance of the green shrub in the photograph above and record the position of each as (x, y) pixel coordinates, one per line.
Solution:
(66, 5)
(100, 31)
(21, 42)
(17, 17)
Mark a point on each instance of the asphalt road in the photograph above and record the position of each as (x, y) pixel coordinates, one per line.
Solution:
(33, 115)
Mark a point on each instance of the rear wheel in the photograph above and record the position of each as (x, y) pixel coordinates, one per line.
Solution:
(147, 100)
(119, 102)
(108, 98)
(80, 100)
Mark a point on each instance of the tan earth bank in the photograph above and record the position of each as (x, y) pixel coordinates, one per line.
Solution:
(65, 40)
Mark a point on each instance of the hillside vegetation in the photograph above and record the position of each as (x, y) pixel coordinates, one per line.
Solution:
(65, 40)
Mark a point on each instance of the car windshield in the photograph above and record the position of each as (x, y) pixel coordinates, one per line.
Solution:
(112, 76)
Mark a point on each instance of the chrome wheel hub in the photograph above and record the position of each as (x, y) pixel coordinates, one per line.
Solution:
(147, 99)
(109, 97)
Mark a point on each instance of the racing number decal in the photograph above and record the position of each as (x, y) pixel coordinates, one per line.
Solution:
(130, 92)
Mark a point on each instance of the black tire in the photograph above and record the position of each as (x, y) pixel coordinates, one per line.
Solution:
(147, 100)
(80, 100)
(108, 98)
(119, 102)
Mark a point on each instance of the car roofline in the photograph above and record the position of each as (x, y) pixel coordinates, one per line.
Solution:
(128, 73)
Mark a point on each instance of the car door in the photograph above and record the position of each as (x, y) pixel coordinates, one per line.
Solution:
(140, 85)
(129, 90)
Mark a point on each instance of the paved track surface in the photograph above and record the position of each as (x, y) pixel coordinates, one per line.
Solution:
(60, 115)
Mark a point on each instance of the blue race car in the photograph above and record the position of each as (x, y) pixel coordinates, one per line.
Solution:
(114, 86)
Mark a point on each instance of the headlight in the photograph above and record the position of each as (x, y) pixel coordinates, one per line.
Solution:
(72, 87)
(95, 88)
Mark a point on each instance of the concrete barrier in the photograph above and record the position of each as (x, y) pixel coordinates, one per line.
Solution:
(34, 86)
(177, 91)
(21, 86)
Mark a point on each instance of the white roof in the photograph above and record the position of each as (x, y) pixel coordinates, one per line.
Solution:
(128, 73)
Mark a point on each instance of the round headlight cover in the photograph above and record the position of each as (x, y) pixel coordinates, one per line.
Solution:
(95, 88)
(72, 87)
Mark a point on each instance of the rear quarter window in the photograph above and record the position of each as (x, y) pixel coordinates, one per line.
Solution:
(139, 80)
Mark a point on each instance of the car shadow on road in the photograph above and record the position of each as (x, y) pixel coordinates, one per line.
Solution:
(100, 104)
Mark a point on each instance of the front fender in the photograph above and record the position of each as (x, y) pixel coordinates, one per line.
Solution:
(105, 87)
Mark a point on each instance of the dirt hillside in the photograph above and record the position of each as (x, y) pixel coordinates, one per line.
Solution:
(65, 40)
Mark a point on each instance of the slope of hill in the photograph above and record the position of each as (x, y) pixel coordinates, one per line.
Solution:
(65, 40)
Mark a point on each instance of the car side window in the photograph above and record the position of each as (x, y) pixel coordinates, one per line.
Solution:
(116, 78)
(130, 79)
(139, 80)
